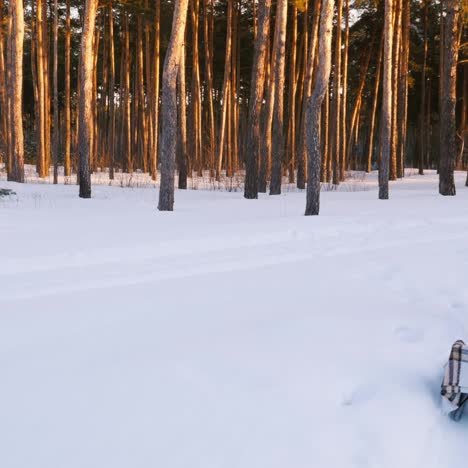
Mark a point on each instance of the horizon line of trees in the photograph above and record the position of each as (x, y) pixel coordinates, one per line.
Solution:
(303, 90)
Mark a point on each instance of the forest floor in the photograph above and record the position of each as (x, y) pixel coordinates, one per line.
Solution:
(230, 333)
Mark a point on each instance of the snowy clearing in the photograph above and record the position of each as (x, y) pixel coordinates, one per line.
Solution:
(230, 333)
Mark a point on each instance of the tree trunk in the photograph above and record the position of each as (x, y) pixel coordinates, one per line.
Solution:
(448, 144)
(279, 51)
(169, 107)
(226, 86)
(86, 98)
(314, 105)
(67, 160)
(209, 87)
(403, 90)
(310, 65)
(386, 118)
(335, 145)
(111, 143)
(183, 156)
(16, 90)
(157, 43)
(55, 150)
(256, 100)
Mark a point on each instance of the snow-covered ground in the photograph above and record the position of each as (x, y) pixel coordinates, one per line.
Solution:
(230, 333)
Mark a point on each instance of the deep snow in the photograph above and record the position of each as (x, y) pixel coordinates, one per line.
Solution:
(230, 333)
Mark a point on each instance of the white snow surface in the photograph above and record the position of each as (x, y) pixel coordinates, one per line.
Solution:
(230, 333)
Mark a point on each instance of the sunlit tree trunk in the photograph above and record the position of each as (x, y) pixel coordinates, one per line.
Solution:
(169, 107)
(86, 98)
(386, 117)
(314, 106)
(226, 87)
(16, 90)
(279, 54)
(55, 151)
(256, 100)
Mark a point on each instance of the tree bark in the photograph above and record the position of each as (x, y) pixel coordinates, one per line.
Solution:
(279, 51)
(314, 105)
(169, 107)
(386, 118)
(86, 98)
(55, 150)
(256, 100)
(448, 144)
(16, 90)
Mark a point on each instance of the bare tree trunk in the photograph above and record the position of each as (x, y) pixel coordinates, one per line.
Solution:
(86, 98)
(111, 143)
(56, 102)
(448, 144)
(3, 95)
(386, 132)
(16, 90)
(41, 124)
(67, 160)
(256, 100)
(310, 64)
(344, 98)
(209, 87)
(395, 78)
(279, 53)
(157, 43)
(169, 107)
(335, 145)
(196, 151)
(314, 108)
(293, 82)
(422, 120)
(183, 156)
(403, 89)
(226, 87)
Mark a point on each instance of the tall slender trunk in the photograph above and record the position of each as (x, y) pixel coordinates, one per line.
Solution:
(310, 64)
(56, 101)
(314, 106)
(335, 145)
(386, 117)
(226, 86)
(111, 143)
(67, 159)
(3, 95)
(279, 54)
(45, 57)
(256, 100)
(395, 78)
(169, 107)
(85, 103)
(344, 97)
(156, 64)
(422, 119)
(448, 144)
(209, 86)
(183, 156)
(403, 89)
(16, 90)
(195, 92)
(291, 146)
(41, 84)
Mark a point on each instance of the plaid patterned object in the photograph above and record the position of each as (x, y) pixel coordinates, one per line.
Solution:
(455, 369)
